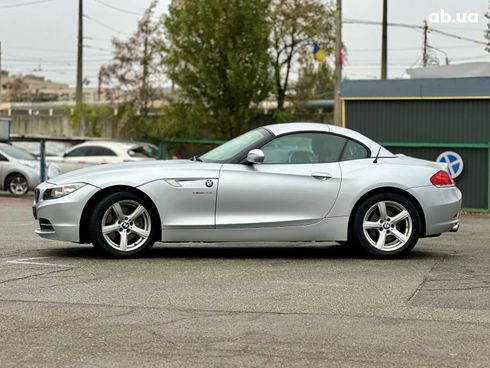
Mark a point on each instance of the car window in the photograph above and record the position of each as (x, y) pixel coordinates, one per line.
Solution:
(354, 151)
(148, 151)
(234, 147)
(78, 152)
(3, 158)
(17, 153)
(304, 148)
(100, 151)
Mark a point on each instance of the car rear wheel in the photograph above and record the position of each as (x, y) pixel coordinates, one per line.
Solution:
(17, 184)
(123, 225)
(386, 225)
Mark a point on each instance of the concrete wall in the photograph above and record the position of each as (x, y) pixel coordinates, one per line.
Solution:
(54, 126)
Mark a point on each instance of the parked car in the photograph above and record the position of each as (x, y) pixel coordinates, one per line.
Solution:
(104, 152)
(52, 148)
(284, 182)
(19, 170)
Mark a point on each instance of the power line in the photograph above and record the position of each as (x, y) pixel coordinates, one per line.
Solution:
(118, 9)
(414, 27)
(24, 4)
(102, 24)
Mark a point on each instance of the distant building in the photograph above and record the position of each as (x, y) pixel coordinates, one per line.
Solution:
(33, 88)
(464, 70)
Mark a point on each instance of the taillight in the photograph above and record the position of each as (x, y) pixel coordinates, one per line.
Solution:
(442, 179)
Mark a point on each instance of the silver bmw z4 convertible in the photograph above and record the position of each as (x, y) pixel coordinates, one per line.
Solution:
(284, 182)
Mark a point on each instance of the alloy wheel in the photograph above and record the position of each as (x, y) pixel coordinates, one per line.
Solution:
(18, 185)
(387, 225)
(126, 225)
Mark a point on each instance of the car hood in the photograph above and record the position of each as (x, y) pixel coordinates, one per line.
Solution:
(138, 173)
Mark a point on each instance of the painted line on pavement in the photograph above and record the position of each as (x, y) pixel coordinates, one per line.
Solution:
(29, 261)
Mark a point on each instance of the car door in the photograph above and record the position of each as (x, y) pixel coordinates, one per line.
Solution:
(74, 159)
(3, 169)
(97, 155)
(297, 184)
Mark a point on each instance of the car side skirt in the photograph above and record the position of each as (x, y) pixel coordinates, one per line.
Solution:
(328, 229)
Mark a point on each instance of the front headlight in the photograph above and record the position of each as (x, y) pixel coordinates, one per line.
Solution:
(62, 191)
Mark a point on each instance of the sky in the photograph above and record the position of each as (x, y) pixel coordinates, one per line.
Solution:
(40, 37)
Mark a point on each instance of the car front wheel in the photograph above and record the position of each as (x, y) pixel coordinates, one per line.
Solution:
(17, 184)
(123, 225)
(386, 225)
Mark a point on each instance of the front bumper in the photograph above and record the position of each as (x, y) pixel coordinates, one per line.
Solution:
(441, 208)
(63, 214)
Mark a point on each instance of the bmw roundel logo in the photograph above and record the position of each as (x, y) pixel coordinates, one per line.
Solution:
(209, 183)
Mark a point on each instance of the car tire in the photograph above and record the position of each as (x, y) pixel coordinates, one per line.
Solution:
(123, 225)
(17, 184)
(386, 225)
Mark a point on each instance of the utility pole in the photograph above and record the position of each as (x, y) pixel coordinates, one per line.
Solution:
(337, 111)
(425, 57)
(79, 91)
(384, 42)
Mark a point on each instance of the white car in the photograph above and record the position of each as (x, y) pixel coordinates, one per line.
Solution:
(19, 170)
(104, 152)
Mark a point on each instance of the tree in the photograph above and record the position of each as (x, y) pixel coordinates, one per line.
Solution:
(296, 24)
(216, 54)
(136, 68)
(18, 90)
(487, 31)
(315, 80)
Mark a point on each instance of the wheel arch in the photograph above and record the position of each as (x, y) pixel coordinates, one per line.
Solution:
(84, 219)
(13, 173)
(399, 191)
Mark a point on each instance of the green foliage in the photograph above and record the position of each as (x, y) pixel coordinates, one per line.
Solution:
(296, 25)
(216, 54)
(95, 115)
(135, 72)
(487, 31)
(315, 81)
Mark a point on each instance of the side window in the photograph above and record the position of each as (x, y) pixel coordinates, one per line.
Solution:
(100, 151)
(3, 158)
(78, 152)
(354, 151)
(304, 148)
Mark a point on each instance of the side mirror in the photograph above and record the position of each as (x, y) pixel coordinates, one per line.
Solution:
(255, 156)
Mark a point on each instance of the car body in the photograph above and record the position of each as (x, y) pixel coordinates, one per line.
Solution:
(282, 182)
(19, 170)
(103, 152)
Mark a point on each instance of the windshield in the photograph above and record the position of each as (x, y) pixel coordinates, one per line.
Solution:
(16, 153)
(146, 150)
(237, 145)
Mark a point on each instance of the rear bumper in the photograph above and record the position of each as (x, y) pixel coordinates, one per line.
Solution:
(441, 208)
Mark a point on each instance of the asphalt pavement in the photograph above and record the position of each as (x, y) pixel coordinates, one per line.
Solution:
(242, 305)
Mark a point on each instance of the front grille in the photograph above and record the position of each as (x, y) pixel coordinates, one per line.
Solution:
(45, 225)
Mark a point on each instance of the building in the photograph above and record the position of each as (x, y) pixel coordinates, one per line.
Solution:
(426, 117)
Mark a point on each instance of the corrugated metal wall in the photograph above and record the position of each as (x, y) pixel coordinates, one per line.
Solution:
(431, 121)
(448, 121)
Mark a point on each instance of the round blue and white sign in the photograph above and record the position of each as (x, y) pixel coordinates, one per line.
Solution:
(454, 162)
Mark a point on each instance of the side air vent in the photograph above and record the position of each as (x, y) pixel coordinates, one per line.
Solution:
(45, 225)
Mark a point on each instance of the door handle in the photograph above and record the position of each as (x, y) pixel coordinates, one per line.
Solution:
(321, 176)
